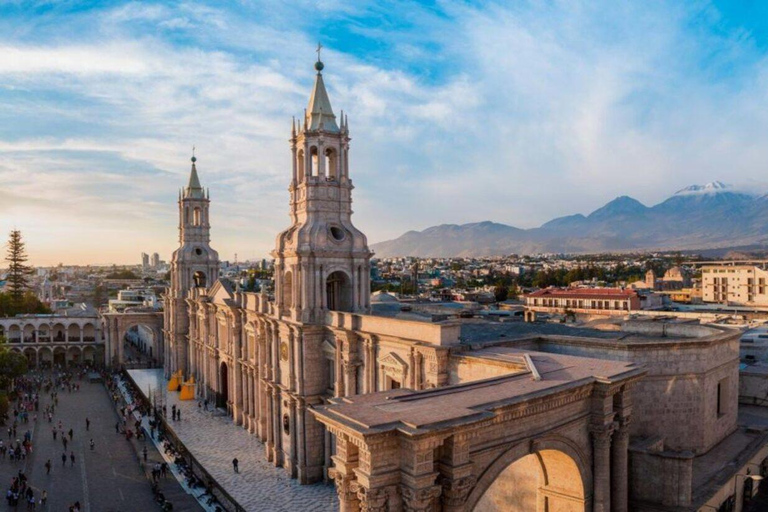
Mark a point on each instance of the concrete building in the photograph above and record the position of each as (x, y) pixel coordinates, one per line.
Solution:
(452, 415)
(590, 301)
(735, 284)
(62, 339)
(144, 261)
(155, 261)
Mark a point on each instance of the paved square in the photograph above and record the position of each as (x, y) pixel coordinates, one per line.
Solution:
(107, 479)
(216, 440)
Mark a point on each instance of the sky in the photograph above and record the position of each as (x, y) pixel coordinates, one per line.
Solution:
(511, 111)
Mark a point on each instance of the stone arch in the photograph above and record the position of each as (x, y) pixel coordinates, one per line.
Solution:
(314, 163)
(89, 332)
(29, 333)
(153, 322)
(31, 355)
(60, 356)
(564, 474)
(74, 355)
(339, 291)
(89, 355)
(74, 331)
(14, 333)
(331, 160)
(58, 333)
(300, 165)
(45, 356)
(44, 332)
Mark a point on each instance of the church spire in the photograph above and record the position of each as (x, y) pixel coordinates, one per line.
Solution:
(319, 112)
(194, 189)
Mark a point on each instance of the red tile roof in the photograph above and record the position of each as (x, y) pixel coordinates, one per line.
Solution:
(584, 293)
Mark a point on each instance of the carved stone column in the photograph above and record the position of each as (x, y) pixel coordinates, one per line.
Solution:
(420, 500)
(601, 449)
(350, 378)
(373, 500)
(343, 474)
(619, 462)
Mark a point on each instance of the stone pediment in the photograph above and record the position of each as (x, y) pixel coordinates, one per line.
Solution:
(221, 292)
(393, 361)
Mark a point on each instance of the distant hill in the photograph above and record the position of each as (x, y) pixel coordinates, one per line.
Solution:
(710, 216)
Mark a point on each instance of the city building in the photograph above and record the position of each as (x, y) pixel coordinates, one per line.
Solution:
(134, 298)
(735, 283)
(450, 415)
(144, 261)
(74, 337)
(594, 301)
(155, 262)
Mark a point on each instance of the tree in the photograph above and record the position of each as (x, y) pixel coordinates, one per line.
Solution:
(12, 365)
(514, 291)
(18, 270)
(500, 292)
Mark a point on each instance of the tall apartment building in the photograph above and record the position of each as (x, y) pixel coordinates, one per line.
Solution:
(144, 260)
(735, 284)
(155, 262)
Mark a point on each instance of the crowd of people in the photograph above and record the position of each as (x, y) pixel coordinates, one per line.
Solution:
(23, 417)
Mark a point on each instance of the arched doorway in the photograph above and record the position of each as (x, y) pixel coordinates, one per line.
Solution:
(222, 397)
(547, 479)
(339, 294)
(31, 356)
(60, 356)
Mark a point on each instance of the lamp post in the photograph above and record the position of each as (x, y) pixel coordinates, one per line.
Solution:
(754, 478)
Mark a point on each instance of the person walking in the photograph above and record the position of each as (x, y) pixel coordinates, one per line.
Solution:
(48, 467)
(64, 459)
(65, 442)
(87, 424)
(235, 462)
(117, 427)
(71, 434)
(43, 499)
(72, 457)
(54, 434)
(144, 452)
(92, 445)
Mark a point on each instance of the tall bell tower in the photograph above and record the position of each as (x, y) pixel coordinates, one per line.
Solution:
(322, 261)
(193, 265)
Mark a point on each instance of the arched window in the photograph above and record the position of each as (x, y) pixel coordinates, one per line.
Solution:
(300, 166)
(199, 278)
(186, 215)
(330, 164)
(314, 168)
(197, 217)
(339, 293)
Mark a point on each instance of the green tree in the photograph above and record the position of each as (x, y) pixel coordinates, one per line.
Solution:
(18, 270)
(501, 292)
(12, 365)
(514, 291)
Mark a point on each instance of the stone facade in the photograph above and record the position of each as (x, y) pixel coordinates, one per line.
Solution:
(407, 415)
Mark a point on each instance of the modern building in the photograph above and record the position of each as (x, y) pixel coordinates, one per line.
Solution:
(735, 284)
(144, 261)
(155, 262)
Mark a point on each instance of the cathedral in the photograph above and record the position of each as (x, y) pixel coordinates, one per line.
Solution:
(454, 415)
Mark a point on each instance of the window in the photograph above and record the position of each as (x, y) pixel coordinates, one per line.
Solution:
(722, 397)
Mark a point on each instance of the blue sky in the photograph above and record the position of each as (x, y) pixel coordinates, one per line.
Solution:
(515, 112)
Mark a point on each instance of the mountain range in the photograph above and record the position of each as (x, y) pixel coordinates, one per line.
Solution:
(708, 216)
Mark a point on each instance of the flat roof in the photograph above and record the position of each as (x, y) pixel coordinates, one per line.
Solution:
(416, 411)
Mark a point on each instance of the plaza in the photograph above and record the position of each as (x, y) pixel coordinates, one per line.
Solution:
(107, 479)
(213, 440)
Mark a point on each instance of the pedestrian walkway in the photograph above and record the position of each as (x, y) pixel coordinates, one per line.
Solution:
(214, 440)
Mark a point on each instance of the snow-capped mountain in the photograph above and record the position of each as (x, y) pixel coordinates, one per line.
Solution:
(707, 216)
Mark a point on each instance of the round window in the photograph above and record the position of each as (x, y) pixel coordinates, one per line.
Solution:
(198, 251)
(337, 233)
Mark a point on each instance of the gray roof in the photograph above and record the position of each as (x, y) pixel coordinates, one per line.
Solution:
(319, 110)
(194, 189)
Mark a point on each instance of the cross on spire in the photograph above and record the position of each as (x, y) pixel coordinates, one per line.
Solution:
(319, 47)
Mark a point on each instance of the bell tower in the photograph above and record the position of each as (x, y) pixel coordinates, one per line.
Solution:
(322, 261)
(193, 265)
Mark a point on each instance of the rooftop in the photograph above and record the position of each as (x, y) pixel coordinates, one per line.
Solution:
(417, 411)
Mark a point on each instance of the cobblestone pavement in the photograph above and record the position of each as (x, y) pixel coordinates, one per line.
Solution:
(107, 479)
(214, 440)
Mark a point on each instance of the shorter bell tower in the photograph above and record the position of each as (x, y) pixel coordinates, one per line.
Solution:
(193, 265)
